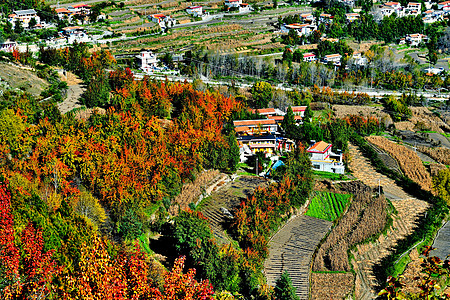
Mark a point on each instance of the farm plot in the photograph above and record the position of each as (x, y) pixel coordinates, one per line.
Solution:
(328, 206)
(439, 154)
(332, 286)
(409, 162)
(218, 208)
(365, 217)
(291, 249)
(364, 171)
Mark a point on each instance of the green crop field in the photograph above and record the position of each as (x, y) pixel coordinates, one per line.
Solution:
(327, 206)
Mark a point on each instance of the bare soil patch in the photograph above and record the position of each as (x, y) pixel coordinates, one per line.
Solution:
(22, 78)
(423, 118)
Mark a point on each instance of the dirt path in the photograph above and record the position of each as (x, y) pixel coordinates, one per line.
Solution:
(291, 249)
(408, 209)
(71, 102)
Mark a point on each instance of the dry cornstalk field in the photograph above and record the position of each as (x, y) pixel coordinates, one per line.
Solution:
(365, 217)
(423, 116)
(331, 285)
(409, 162)
(439, 154)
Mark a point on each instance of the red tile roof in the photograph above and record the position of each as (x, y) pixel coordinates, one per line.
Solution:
(319, 147)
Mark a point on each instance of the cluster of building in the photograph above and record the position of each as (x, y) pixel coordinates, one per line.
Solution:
(24, 17)
(267, 136)
(68, 13)
(336, 58)
(415, 9)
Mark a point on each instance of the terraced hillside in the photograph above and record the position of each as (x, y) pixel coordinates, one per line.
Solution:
(218, 208)
(367, 255)
(363, 170)
(291, 249)
(408, 209)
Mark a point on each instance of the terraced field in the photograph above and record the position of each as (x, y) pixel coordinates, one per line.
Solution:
(291, 249)
(388, 161)
(327, 206)
(219, 207)
(363, 170)
(367, 255)
(408, 209)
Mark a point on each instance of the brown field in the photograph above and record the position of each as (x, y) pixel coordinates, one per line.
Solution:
(331, 285)
(439, 154)
(409, 162)
(191, 192)
(365, 217)
(423, 119)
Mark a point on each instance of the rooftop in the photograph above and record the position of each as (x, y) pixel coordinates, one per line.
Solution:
(25, 12)
(254, 122)
(319, 147)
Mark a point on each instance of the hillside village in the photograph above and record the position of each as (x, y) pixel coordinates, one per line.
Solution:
(224, 150)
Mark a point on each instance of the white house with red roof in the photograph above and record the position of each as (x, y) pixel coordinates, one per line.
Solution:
(255, 126)
(444, 5)
(302, 29)
(195, 10)
(298, 110)
(415, 39)
(333, 58)
(233, 3)
(323, 159)
(163, 20)
(351, 17)
(309, 57)
(413, 9)
(24, 16)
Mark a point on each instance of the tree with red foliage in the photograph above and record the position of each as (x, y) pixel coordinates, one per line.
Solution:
(26, 274)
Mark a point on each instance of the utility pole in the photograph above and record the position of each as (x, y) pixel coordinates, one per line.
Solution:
(379, 186)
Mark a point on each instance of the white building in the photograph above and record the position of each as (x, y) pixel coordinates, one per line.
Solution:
(233, 3)
(323, 159)
(415, 39)
(163, 20)
(326, 18)
(8, 46)
(359, 59)
(195, 10)
(301, 29)
(333, 58)
(76, 34)
(444, 5)
(308, 18)
(23, 16)
(413, 9)
(80, 8)
(352, 17)
(148, 60)
(63, 13)
(309, 57)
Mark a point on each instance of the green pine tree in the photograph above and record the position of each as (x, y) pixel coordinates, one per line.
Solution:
(284, 290)
(288, 120)
(308, 114)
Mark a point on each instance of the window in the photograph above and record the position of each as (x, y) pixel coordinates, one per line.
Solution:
(316, 167)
